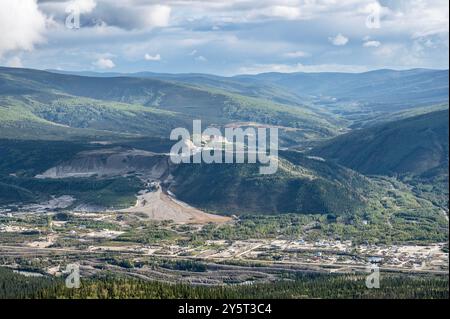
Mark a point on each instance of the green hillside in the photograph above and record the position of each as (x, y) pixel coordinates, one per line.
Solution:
(141, 105)
(301, 185)
(416, 145)
(414, 149)
(383, 91)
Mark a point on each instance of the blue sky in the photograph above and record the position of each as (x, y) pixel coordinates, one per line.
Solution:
(225, 37)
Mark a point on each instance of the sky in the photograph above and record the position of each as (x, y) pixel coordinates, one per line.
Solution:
(224, 37)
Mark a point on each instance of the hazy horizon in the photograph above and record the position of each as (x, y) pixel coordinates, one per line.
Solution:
(113, 73)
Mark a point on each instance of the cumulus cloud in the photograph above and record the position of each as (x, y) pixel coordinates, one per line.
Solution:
(371, 43)
(201, 58)
(277, 11)
(81, 6)
(159, 15)
(104, 63)
(133, 17)
(22, 25)
(149, 57)
(339, 40)
(126, 14)
(265, 33)
(262, 10)
(417, 16)
(296, 54)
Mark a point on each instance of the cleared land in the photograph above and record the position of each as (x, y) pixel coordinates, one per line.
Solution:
(158, 205)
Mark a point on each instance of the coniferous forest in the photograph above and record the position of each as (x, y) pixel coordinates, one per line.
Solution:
(304, 285)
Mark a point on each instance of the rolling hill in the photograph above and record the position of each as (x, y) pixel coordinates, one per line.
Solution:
(140, 105)
(301, 185)
(137, 112)
(110, 175)
(415, 145)
(380, 91)
(414, 150)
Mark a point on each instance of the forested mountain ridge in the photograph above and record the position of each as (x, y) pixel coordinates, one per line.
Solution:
(416, 145)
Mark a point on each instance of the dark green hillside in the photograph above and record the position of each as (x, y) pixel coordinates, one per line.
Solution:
(301, 185)
(414, 149)
(397, 116)
(417, 145)
(11, 194)
(28, 158)
(116, 192)
(21, 160)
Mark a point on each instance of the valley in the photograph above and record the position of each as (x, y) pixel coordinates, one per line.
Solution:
(134, 245)
(86, 178)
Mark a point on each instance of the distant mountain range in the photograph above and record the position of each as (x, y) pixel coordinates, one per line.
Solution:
(380, 90)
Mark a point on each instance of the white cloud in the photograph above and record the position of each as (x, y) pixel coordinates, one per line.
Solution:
(125, 14)
(296, 54)
(14, 62)
(413, 33)
(416, 16)
(22, 25)
(104, 63)
(149, 57)
(425, 18)
(55, 8)
(260, 10)
(371, 43)
(139, 16)
(82, 6)
(283, 12)
(159, 15)
(201, 58)
(388, 51)
(339, 40)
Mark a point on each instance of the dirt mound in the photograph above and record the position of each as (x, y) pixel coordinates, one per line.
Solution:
(161, 206)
